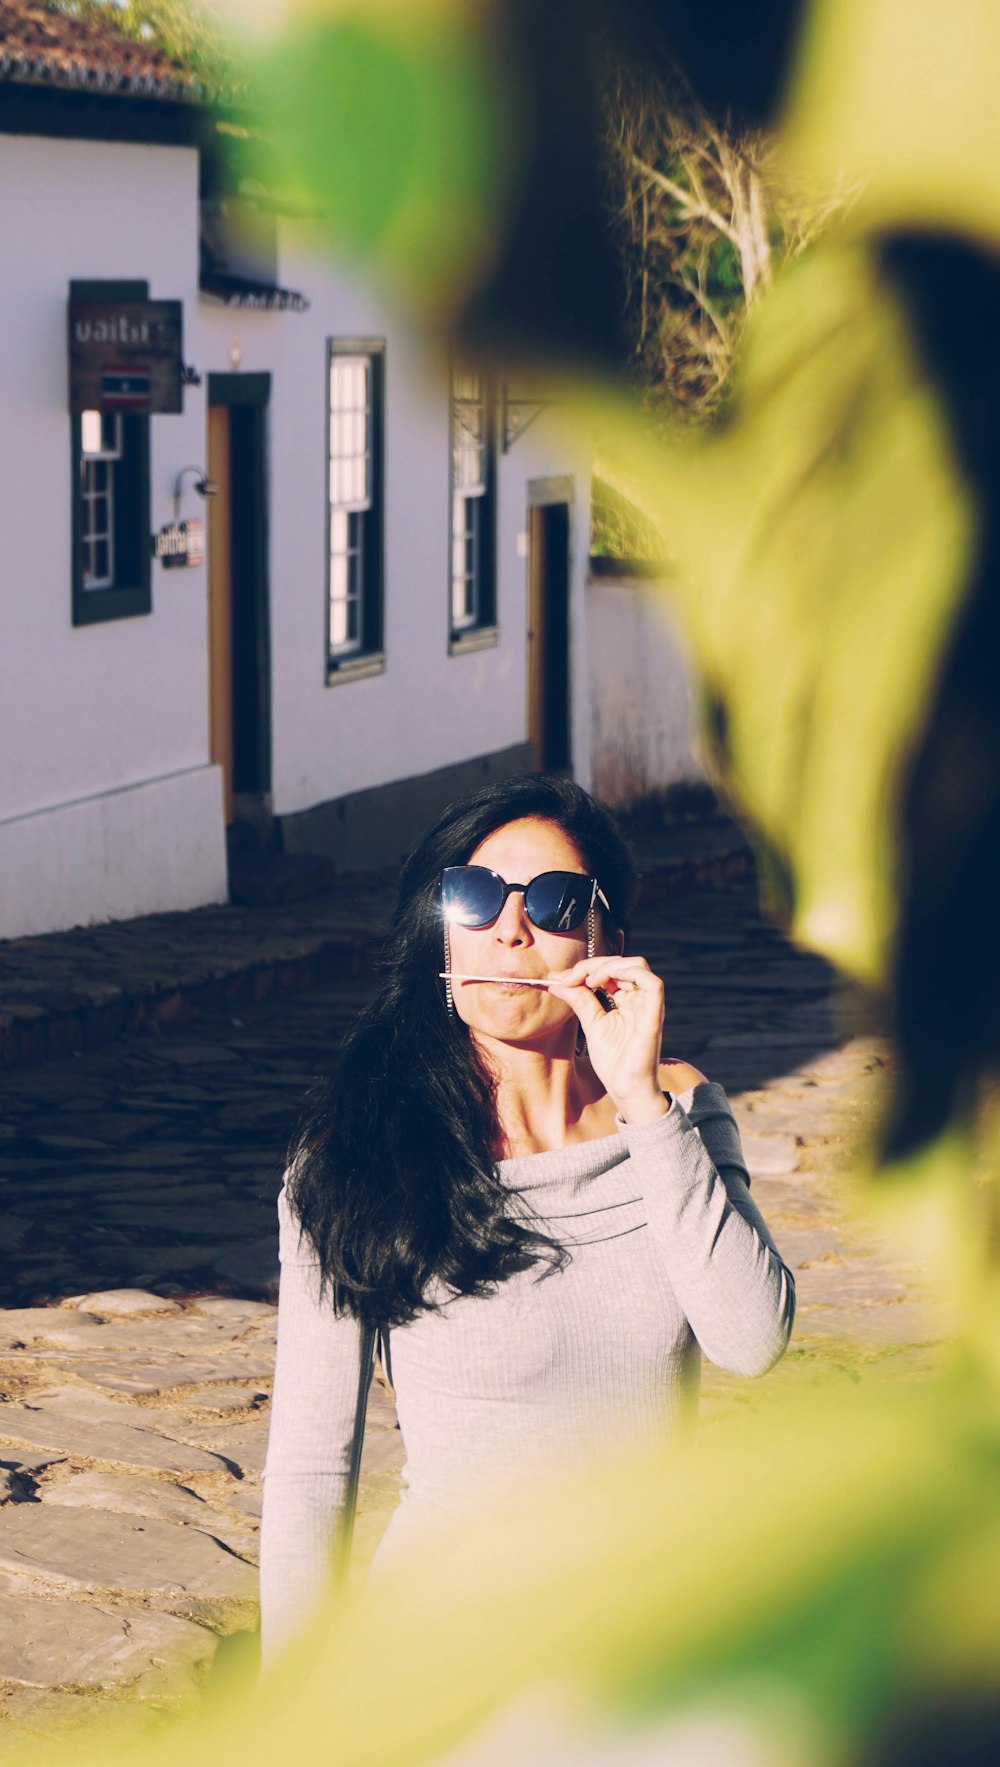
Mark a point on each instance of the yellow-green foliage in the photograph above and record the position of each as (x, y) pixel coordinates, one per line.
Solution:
(815, 587)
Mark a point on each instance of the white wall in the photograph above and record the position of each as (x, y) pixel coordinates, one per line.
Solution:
(140, 850)
(639, 694)
(428, 709)
(90, 710)
(108, 803)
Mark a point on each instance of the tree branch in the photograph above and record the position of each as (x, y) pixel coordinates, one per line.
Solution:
(693, 211)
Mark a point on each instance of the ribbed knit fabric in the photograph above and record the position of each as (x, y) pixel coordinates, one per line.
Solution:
(668, 1255)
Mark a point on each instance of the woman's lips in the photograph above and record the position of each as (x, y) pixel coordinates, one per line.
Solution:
(499, 980)
(515, 981)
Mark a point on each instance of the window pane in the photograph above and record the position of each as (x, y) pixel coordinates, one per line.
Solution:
(346, 579)
(351, 482)
(91, 432)
(355, 547)
(350, 431)
(468, 430)
(97, 533)
(339, 520)
(338, 605)
(464, 562)
(100, 436)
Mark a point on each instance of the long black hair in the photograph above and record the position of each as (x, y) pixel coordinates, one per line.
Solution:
(392, 1173)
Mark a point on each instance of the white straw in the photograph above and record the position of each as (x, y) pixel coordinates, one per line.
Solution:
(455, 975)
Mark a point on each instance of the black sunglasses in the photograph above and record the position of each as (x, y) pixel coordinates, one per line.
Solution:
(554, 901)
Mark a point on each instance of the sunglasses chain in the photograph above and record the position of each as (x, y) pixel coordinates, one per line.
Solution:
(448, 995)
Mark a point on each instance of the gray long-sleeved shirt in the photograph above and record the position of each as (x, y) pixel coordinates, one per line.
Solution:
(669, 1257)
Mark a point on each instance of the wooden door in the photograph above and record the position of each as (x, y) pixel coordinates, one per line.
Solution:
(220, 601)
(548, 635)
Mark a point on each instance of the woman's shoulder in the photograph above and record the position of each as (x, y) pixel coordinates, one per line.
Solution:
(680, 1076)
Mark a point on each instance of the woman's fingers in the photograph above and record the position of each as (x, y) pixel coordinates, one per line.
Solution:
(585, 1004)
(620, 980)
(609, 973)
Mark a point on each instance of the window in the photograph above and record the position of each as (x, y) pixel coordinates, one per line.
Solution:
(101, 448)
(111, 540)
(110, 486)
(355, 466)
(473, 510)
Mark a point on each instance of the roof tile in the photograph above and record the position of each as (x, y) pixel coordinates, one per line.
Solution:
(42, 46)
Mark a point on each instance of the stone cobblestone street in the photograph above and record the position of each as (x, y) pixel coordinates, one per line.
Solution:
(137, 1331)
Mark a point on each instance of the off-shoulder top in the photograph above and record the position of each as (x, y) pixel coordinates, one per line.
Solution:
(668, 1257)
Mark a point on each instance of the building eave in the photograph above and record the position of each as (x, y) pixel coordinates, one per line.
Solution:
(89, 114)
(20, 69)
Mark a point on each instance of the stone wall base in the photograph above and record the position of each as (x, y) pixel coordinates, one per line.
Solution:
(142, 849)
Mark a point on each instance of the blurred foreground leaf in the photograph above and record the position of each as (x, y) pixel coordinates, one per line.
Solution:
(383, 121)
(823, 539)
(900, 98)
(804, 1560)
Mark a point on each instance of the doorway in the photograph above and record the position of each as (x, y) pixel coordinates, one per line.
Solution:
(549, 575)
(239, 646)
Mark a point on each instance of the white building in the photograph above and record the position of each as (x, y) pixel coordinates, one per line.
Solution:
(391, 608)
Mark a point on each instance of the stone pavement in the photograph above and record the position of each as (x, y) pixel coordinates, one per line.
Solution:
(137, 1343)
(72, 991)
(75, 990)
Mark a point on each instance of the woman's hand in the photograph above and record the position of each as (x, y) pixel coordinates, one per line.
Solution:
(624, 1044)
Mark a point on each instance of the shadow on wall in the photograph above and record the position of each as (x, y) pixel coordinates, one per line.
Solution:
(640, 694)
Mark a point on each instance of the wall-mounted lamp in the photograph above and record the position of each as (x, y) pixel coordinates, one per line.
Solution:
(204, 486)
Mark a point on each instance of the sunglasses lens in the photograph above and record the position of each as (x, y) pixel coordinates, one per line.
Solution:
(471, 895)
(558, 901)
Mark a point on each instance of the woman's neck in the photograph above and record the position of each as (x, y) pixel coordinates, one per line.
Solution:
(545, 1099)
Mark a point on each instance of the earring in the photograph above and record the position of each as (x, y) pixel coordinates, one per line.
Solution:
(449, 997)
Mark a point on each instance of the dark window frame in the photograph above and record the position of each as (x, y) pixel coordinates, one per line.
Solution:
(132, 544)
(484, 630)
(369, 656)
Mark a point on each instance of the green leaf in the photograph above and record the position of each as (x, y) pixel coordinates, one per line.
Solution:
(897, 99)
(823, 541)
(389, 134)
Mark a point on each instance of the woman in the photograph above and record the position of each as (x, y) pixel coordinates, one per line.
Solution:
(551, 1222)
